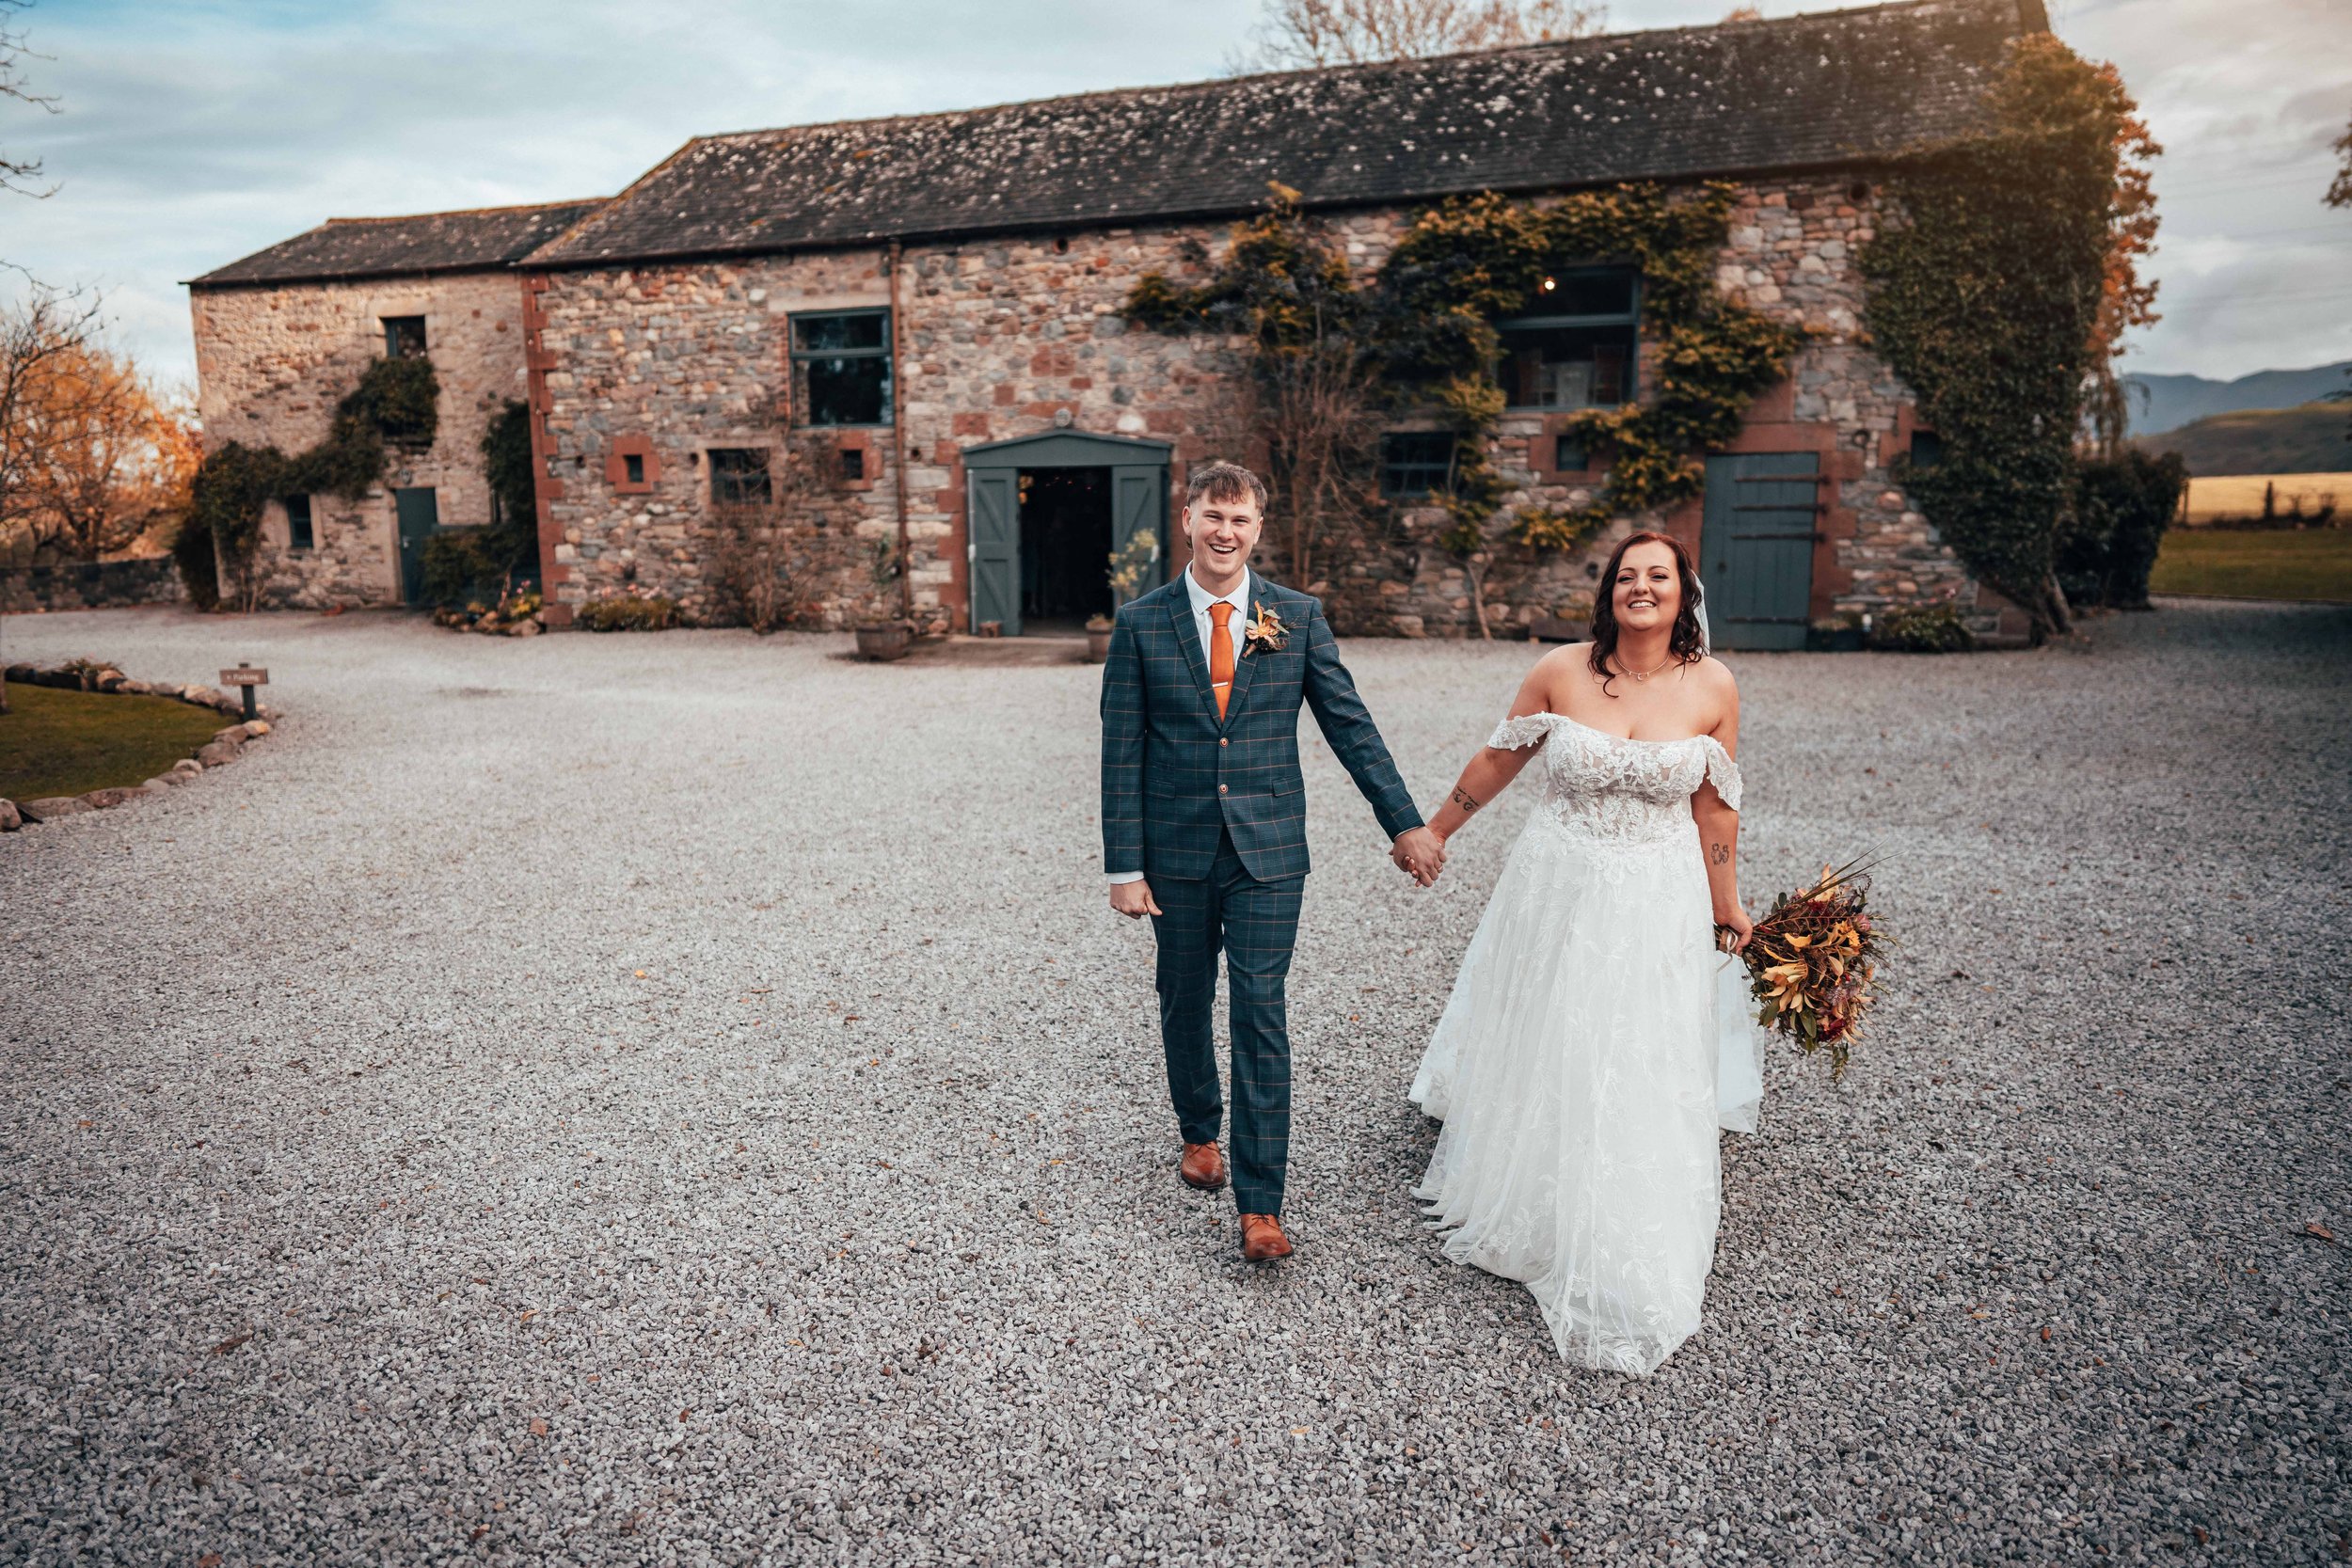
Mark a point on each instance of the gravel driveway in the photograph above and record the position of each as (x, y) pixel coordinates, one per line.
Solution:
(682, 1098)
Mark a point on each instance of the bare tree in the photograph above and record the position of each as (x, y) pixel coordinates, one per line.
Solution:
(1316, 406)
(1297, 34)
(16, 174)
(2340, 189)
(766, 571)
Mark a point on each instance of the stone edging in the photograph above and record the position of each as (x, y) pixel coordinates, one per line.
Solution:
(86, 675)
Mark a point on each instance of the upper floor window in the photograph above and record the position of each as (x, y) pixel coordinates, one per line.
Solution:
(738, 476)
(404, 337)
(841, 367)
(1573, 347)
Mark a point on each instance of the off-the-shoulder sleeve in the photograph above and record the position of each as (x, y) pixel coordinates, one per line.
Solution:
(1721, 771)
(1528, 729)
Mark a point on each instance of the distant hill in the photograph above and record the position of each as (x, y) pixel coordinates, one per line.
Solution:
(2162, 402)
(2306, 441)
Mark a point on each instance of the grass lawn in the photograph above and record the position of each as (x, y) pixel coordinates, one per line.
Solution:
(2256, 563)
(55, 742)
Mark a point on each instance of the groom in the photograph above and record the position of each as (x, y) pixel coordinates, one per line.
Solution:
(1204, 821)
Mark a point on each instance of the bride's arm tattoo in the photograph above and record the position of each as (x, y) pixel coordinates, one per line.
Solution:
(1720, 853)
(1463, 798)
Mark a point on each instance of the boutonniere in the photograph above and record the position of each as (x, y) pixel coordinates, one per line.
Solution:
(1265, 632)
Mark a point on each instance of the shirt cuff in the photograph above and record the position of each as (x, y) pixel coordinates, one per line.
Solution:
(1118, 877)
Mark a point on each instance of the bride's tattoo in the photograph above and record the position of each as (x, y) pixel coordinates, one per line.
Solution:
(1722, 853)
(1463, 798)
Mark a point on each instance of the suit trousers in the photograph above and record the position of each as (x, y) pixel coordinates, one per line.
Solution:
(1255, 924)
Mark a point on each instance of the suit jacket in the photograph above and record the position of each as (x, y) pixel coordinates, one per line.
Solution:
(1175, 777)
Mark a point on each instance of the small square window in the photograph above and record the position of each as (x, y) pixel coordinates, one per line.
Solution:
(404, 337)
(841, 367)
(1569, 456)
(633, 466)
(1927, 449)
(299, 532)
(1416, 461)
(738, 476)
(854, 463)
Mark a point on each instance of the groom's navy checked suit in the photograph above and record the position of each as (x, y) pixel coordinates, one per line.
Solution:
(1213, 813)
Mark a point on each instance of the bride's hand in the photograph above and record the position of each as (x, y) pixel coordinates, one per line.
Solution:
(1737, 926)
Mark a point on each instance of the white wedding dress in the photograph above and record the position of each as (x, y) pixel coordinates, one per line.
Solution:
(1594, 1044)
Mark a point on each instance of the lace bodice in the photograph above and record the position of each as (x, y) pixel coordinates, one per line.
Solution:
(1607, 789)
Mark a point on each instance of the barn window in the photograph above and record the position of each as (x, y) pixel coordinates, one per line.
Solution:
(299, 535)
(1415, 462)
(738, 476)
(1573, 345)
(633, 467)
(854, 463)
(404, 337)
(841, 367)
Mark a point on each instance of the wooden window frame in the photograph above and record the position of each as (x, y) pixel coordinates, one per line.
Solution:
(1390, 467)
(303, 539)
(798, 358)
(394, 330)
(1630, 318)
(767, 475)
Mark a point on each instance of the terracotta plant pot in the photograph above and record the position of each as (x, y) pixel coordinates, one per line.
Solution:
(883, 641)
(1098, 641)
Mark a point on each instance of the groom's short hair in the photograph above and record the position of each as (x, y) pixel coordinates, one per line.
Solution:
(1223, 482)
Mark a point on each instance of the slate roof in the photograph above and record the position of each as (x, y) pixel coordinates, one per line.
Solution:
(484, 238)
(1736, 98)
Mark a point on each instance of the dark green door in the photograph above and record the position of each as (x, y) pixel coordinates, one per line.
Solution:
(992, 515)
(1139, 505)
(1755, 547)
(420, 514)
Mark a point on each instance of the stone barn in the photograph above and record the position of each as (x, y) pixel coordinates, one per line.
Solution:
(904, 341)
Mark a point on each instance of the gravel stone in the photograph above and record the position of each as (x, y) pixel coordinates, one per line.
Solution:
(683, 1100)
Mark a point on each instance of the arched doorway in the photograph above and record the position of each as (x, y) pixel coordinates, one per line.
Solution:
(1042, 514)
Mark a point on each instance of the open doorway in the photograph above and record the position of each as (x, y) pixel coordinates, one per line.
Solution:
(1065, 549)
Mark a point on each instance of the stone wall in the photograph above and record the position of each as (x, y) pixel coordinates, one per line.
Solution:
(1001, 338)
(272, 362)
(90, 585)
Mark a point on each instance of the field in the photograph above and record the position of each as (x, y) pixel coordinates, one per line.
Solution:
(56, 742)
(2257, 564)
(2241, 495)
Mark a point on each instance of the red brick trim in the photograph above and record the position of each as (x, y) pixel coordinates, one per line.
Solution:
(870, 463)
(1840, 462)
(617, 464)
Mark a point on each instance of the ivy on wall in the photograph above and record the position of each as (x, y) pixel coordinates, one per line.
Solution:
(1425, 325)
(1986, 300)
(395, 403)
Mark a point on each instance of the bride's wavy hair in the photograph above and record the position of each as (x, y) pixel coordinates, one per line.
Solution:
(1684, 642)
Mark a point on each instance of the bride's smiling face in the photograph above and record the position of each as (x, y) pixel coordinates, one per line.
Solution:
(1647, 594)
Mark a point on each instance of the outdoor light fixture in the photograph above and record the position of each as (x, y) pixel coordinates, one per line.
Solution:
(1549, 284)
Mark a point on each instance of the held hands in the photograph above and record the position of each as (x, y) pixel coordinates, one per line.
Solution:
(1420, 853)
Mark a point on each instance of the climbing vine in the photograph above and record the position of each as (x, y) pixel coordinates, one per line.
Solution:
(394, 404)
(1474, 259)
(1424, 328)
(1986, 299)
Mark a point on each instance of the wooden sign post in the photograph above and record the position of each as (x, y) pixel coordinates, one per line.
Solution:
(246, 677)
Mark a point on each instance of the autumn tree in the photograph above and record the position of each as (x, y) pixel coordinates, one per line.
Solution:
(91, 457)
(1302, 34)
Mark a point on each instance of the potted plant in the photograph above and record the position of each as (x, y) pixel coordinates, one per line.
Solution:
(1098, 638)
(882, 637)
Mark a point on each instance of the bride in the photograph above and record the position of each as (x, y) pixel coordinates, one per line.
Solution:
(1575, 1065)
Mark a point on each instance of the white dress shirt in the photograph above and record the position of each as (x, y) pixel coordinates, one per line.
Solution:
(1236, 629)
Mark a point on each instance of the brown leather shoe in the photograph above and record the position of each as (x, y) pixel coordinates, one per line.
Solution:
(1261, 1239)
(1202, 1167)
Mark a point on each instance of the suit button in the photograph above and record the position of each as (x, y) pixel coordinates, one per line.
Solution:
(1220, 790)
(1222, 741)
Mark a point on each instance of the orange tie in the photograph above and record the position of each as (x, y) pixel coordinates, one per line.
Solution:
(1220, 654)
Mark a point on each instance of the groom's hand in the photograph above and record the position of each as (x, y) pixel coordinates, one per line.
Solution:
(1420, 853)
(1134, 899)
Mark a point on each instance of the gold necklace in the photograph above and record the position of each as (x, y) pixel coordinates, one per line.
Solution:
(1645, 674)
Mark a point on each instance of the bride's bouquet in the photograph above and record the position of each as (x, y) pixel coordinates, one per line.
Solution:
(1811, 961)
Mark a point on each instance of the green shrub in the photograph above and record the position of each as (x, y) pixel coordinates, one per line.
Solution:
(2108, 545)
(628, 612)
(1923, 630)
(192, 553)
(459, 568)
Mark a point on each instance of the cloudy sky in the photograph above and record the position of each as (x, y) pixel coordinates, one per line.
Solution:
(193, 132)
